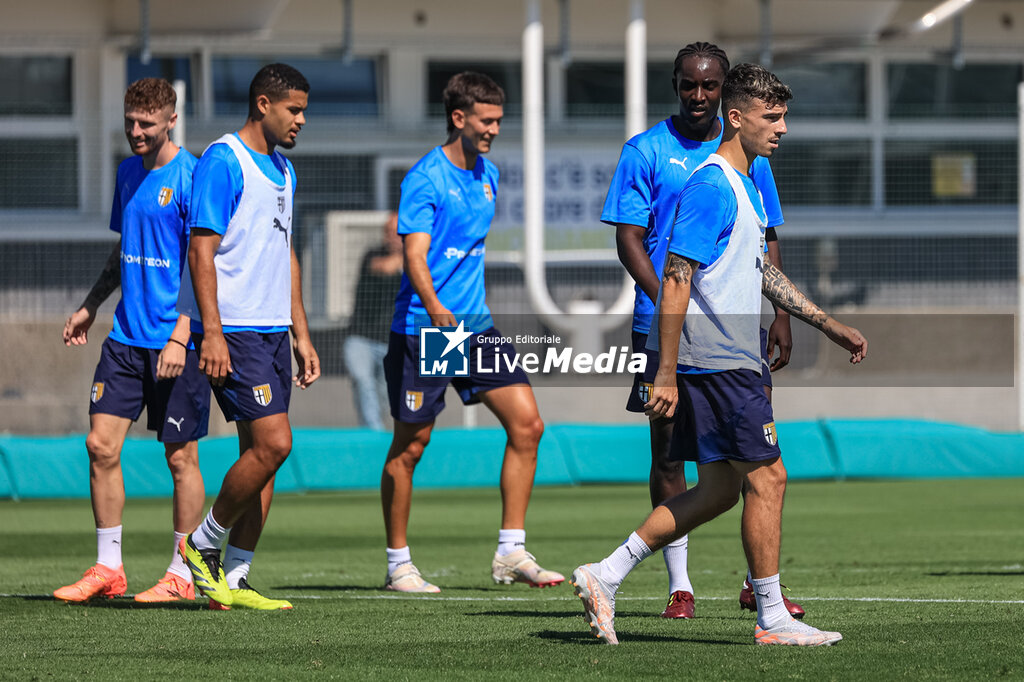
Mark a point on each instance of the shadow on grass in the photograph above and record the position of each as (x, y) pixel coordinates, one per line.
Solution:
(585, 637)
(527, 614)
(330, 588)
(127, 603)
(380, 588)
(944, 574)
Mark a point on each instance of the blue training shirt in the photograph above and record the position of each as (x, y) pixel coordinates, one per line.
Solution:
(704, 222)
(217, 189)
(150, 212)
(455, 207)
(707, 213)
(652, 170)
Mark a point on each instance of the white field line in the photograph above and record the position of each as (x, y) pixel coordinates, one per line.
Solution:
(342, 597)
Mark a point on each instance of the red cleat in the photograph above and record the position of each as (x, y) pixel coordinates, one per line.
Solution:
(748, 602)
(680, 605)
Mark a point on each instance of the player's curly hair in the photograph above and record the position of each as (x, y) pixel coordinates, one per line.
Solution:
(748, 82)
(150, 94)
(700, 49)
(275, 81)
(466, 89)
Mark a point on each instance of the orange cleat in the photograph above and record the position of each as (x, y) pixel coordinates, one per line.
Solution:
(171, 587)
(97, 581)
(795, 633)
(598, 602)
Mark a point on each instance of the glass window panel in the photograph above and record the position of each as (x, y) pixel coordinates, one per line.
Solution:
(39, 173)
(941, 91)
(595, 89)
(509, 75)
(168, 68)
(598, 89)
(334, 182)
(831, 89)
(661, 98)
(823, 172)
(336, 88)
(948, 172)
(35, 85)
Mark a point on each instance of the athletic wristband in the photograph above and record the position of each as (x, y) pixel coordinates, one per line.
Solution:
(179, 343)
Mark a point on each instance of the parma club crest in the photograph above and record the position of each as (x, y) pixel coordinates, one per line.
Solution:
(643, 391)
(770, 436)
(413, 400)
(488, 193)
(97, 391)
(164, 198)
(262, 394)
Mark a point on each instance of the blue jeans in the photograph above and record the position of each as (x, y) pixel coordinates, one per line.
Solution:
(364, 361)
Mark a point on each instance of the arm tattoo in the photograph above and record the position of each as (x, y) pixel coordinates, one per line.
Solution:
(677, 269)
(780, 291)
(108, 281)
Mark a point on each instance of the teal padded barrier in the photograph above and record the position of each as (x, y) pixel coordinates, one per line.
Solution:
(806, 451)
(621, 454)
(333, 459)
(59, 466)
(216, 455)
(569, 454)
(604, 454)
(7, 489)
(921, 449)
(48, 466)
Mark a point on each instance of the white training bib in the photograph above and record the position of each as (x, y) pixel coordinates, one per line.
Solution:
(253, 261)
(721, 330)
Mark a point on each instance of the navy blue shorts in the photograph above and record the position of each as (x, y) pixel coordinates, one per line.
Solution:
(640, 393)
(260, 381)
(724, 416)
(766, 361)
(415, 399)
(125, 380)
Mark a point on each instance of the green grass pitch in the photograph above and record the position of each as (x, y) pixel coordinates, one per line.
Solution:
(923, 578)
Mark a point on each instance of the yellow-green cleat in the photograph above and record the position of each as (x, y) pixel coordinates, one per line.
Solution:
(246, 597)
(207, 572)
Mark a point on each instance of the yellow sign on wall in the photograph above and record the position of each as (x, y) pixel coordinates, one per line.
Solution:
(954, 175)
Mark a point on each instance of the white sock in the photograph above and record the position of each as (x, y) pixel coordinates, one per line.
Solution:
(209, 534)
(619, 563)
(675, 560)
(771, 610)
(397, 557)
(108, 546)
(510, 539)
(178, 566)
(237, 563)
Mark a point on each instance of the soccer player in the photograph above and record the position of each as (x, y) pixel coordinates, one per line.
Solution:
(641, 203)
(709, 308)
(445, 211)
(245, 292)
(145, 360)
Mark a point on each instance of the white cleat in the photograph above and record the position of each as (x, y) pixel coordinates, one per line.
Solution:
(795, 633)
(598, 602)
(521, 567)
(407, 578)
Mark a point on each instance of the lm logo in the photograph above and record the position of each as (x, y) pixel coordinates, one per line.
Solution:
(444, 351)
